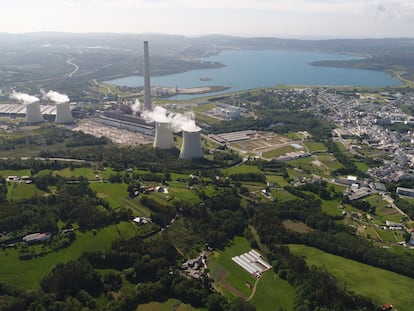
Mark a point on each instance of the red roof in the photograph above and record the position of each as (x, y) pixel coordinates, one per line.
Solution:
(386, 306)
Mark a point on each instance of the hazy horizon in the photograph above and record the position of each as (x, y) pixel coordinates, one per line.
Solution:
(301, 19)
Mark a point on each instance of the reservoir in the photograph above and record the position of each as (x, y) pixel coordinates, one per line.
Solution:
(245, 70)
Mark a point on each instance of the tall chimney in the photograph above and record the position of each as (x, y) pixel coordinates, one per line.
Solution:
(147, 85)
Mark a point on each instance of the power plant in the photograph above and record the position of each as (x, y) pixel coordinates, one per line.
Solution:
(63, 113)
(147, 85)
(33, 114)
(191, 147)
(163, 136)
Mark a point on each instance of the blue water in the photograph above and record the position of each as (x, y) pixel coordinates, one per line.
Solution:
(255, 69)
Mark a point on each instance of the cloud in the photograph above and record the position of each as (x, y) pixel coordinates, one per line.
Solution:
(57, 97)
(24, 98)
(386, 9)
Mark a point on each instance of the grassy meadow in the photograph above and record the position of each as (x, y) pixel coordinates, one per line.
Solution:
(380, 285)
(28, 273)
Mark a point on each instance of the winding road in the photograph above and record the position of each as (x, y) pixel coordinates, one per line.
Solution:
(69, 61)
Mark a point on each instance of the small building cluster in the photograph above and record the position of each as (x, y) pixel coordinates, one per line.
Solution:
(195, 267)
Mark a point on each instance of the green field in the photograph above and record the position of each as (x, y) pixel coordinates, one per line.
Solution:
(169, 305)
(18, 173)
(17, 191)
(282, 195)
(277, 180)
(314, 146)
(380, 285)
(113, 193)
(242, 169)
(87, 172)
(27, 273)
(272, 293)
(331, 207)
(180, 191)
(279, 152)
(224, 271)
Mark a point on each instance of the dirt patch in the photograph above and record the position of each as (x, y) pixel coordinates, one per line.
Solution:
(389, 212)
(232, 290)
(218, 274)
(296, 226)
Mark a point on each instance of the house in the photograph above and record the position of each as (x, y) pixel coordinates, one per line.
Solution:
(141, 220)
(386, 307)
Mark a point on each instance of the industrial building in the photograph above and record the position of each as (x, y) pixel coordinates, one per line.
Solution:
(19, 110)
(232, 136)
(405, 191)
(32, 114)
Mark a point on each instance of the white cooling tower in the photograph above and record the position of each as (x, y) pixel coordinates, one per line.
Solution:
(147, 85)
(63, 113)
(33, 114)
(163, 136)
(191, 147)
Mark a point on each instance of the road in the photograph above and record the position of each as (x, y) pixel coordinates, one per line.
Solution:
(69, 61)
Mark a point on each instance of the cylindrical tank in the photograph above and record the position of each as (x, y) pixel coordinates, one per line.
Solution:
(147, 85)
(63, 113)
(163, 136)
(33, 114)
(191, 147)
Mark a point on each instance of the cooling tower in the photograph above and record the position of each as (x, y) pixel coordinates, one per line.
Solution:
(33, 114)
(163, 136)
(191, 147)
(63, 113)
(147, 85)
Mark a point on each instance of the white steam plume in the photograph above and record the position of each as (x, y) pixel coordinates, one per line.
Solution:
(177, 121)
(57, 98)
(136, 107)
(24, 98)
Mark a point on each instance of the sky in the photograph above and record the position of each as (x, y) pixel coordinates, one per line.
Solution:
(275, 18)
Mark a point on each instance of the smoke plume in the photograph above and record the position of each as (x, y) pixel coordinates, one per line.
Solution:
(136, 107)
(178, 121)
(24, 98)
(57, 97)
